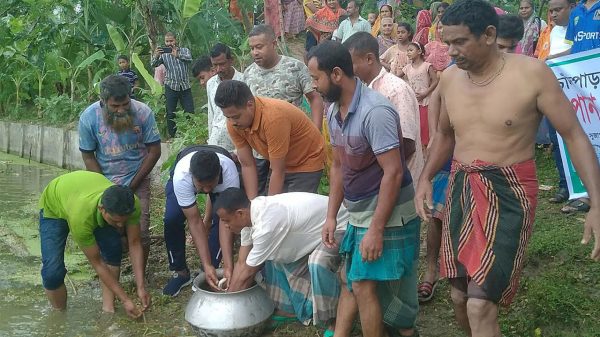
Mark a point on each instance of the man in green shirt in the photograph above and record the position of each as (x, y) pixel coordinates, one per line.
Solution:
(96, 212)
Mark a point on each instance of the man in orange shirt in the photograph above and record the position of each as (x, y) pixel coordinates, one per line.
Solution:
(277, 130)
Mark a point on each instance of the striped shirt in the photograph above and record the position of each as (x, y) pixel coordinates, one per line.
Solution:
(177, 68)
(371, 128)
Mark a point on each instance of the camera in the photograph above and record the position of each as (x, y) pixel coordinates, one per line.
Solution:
(166, 50)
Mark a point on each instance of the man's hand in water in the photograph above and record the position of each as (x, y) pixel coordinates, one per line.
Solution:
(592, 228)
(144, 298)
(131, 309)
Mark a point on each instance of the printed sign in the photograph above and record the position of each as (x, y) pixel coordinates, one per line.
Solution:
(579, 77)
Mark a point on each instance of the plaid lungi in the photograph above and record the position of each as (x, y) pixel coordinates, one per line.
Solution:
(488, 223)
(309, 287)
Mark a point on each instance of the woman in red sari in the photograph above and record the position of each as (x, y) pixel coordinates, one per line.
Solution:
(325, 20)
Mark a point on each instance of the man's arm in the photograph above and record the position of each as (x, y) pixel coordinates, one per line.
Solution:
(336, 196)
(90, 161)
(199, 234)
(147, 165)
(371, 246)
(442, 146)
(243, 274)
(136, 255)
(316, 108)
(226, 242)
(249, 173)
(183, 54)
(554, 104)
(93, 255)
(156, 57)
(564, 53)
(277, 176)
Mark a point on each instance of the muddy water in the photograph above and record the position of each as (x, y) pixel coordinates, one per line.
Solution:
(24, 310)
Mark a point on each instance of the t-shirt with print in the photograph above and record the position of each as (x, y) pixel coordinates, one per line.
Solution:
(119, 155)
(288, 80)
(75, 197)
(286, 227)
(183, 185)
(583, 31)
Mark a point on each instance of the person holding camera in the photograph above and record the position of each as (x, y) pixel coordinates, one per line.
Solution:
(177, 84)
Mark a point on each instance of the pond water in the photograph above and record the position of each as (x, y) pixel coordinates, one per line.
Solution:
(24, 309)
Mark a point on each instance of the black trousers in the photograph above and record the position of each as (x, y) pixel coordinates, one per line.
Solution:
(172, 97)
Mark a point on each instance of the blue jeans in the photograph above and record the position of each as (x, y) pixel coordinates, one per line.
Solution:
(562, 180)
(174, 229)
(53, 237)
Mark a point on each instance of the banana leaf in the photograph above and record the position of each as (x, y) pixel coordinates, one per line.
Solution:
(116, 38)
(155, 87)
(191, 7)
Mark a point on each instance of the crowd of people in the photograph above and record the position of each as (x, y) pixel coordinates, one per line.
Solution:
(431, 125)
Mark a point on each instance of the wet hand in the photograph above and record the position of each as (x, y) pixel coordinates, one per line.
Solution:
(131, 309)
(371, 246)
(327, 233)
(211, 277)
(145, 298)
(423, 199)
(592, 227)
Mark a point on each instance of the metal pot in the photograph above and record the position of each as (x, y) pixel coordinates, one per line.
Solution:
(237, 314)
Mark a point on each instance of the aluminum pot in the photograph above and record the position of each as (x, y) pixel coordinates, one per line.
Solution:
(238, 314)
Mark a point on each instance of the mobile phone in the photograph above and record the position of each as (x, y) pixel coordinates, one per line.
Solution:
(166, 50)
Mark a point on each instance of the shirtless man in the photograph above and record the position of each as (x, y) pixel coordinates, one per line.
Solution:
(492, 104)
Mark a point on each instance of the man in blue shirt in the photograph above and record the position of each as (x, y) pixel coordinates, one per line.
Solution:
(583, 31)
(118, 138)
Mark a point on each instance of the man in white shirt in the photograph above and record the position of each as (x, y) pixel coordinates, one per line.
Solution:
(283, 232)
(222, 61)
(204, 169)
(353, 24)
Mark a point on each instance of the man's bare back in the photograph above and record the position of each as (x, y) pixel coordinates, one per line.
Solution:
(496, 123)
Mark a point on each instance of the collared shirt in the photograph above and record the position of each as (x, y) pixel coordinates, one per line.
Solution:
(75, 197)
(347, 29)
(217, 123)
(286, 227)
(288, 80)
(583, 31)
(403, 98)
(120, 155)
(177, 77)
(371, 128)
(183, 185)
(282, 131)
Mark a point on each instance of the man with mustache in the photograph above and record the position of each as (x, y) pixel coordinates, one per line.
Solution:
(492, 104)
(118, 138)
(222, 61)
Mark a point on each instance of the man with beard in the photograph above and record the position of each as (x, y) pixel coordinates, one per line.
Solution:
(276, 130)
(369, 174)
(222, 61)
(118, 138)
(492, 104)
(280, 77)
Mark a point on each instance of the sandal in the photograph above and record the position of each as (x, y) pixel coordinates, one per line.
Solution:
(426, 290)
(277, 321)
(328, 333)
(575, 206)
(561, 196)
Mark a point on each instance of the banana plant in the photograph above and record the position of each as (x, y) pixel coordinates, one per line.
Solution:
(75, 71)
